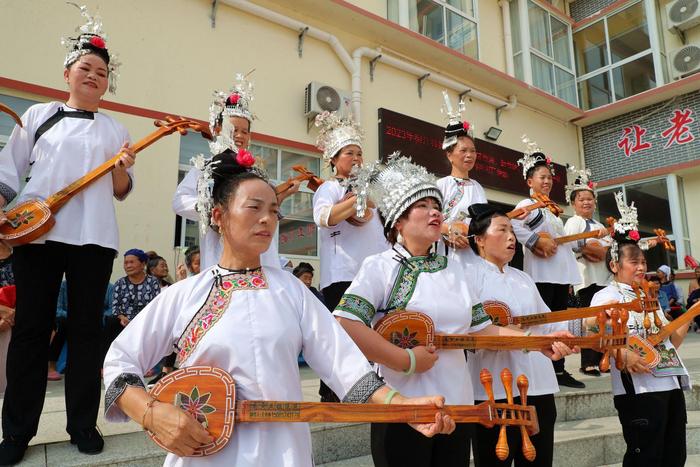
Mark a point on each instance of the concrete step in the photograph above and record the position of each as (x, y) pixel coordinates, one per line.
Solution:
(580, 443)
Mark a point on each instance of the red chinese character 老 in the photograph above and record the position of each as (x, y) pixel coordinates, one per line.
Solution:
(679, 132)
(632, 140)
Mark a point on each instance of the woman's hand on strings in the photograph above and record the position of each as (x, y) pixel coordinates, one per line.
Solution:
(425, 357)
(545, 247)
(443, 423)
(178, 431)
(559, 350)
(634, 363)
(127, 157)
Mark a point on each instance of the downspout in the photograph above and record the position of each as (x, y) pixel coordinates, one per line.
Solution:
(507, 39)
(354, 64)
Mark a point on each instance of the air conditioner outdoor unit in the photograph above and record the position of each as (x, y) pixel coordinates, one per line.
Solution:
(683, 14)
(684, 61)
(319, 98)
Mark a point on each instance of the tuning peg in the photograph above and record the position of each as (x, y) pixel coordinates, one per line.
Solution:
(487, 382)
(604, 364)
(529, 451)
(624, 316)
(616, 330)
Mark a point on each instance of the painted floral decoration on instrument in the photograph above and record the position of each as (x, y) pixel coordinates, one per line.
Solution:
(92, 39)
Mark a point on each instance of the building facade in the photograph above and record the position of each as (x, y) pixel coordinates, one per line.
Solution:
(561, 72)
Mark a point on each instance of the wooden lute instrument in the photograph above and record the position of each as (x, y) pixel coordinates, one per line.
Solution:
(408, 329)
(208, 394)
(598, 233)
(304, 175)
(11, 113)
(30, 220)
(460, 228)
(501, 315)
(645, 345)
(549, 204)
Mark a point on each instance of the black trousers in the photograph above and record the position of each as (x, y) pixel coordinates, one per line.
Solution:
(331, 297)
(112, 328)
(38, 271)
(485, 439)
(556, 297)
(58, 340)
(589, 357)
(399, 445)
(653, 425)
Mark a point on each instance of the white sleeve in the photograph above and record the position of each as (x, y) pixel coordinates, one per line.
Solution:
(185, 199)
(333, 355)
(324, 200)
(15, 156)
(523, 232)
(143, 343)
(366, 293)
(574, 225)
(480, 195)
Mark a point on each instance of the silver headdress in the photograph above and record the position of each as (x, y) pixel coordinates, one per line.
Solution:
(335, 133)
(235, 102)
(582, 181)
(625, 228)
(394, 186)
(456, 127)
(92, 39)
(207, 166)
(532, 156)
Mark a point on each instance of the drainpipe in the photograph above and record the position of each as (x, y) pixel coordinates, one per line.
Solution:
(507, 40)
(354, 64)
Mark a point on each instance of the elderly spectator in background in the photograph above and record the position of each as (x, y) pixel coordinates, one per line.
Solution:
(675, 297)
(157, 267)
(130, 295)
(192, 264)
(305, 273)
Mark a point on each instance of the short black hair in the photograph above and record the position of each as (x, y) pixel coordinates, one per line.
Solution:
(572, 196)
(480, 223)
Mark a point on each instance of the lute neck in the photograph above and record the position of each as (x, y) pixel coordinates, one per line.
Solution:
(465, 341)
(283, 411)
(673, 326)
(58, 199)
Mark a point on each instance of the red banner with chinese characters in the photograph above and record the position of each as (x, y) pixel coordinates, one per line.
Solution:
(496, 166)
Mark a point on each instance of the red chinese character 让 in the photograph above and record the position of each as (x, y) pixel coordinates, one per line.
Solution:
(630, 147)
(679, 132)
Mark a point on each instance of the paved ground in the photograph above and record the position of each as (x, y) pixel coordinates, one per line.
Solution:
(53, 420)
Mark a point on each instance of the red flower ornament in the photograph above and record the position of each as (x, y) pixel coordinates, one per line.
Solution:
(245, 158)
(97, 41)
(548, 160)
(233, 98)
(466, 126)
(591, 185)
(634, 235)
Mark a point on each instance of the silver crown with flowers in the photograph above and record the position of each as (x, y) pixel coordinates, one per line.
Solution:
(582, 181)
(455, 124)
(88, 32)
(529, 160)
(221, 107)
(335, 133)
(205, 184)
(393, 186)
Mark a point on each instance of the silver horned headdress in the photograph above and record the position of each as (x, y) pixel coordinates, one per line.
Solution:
(625, 229)
(335, 133)
(236, 102)
(393, 186)
(456, 127)
(533, 156)
(91, 39)
(582, 181)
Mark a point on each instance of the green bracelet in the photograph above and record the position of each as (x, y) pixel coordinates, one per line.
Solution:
(412, 366)
(390, 395)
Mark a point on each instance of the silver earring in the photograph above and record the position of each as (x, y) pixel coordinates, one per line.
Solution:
(399, 238)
